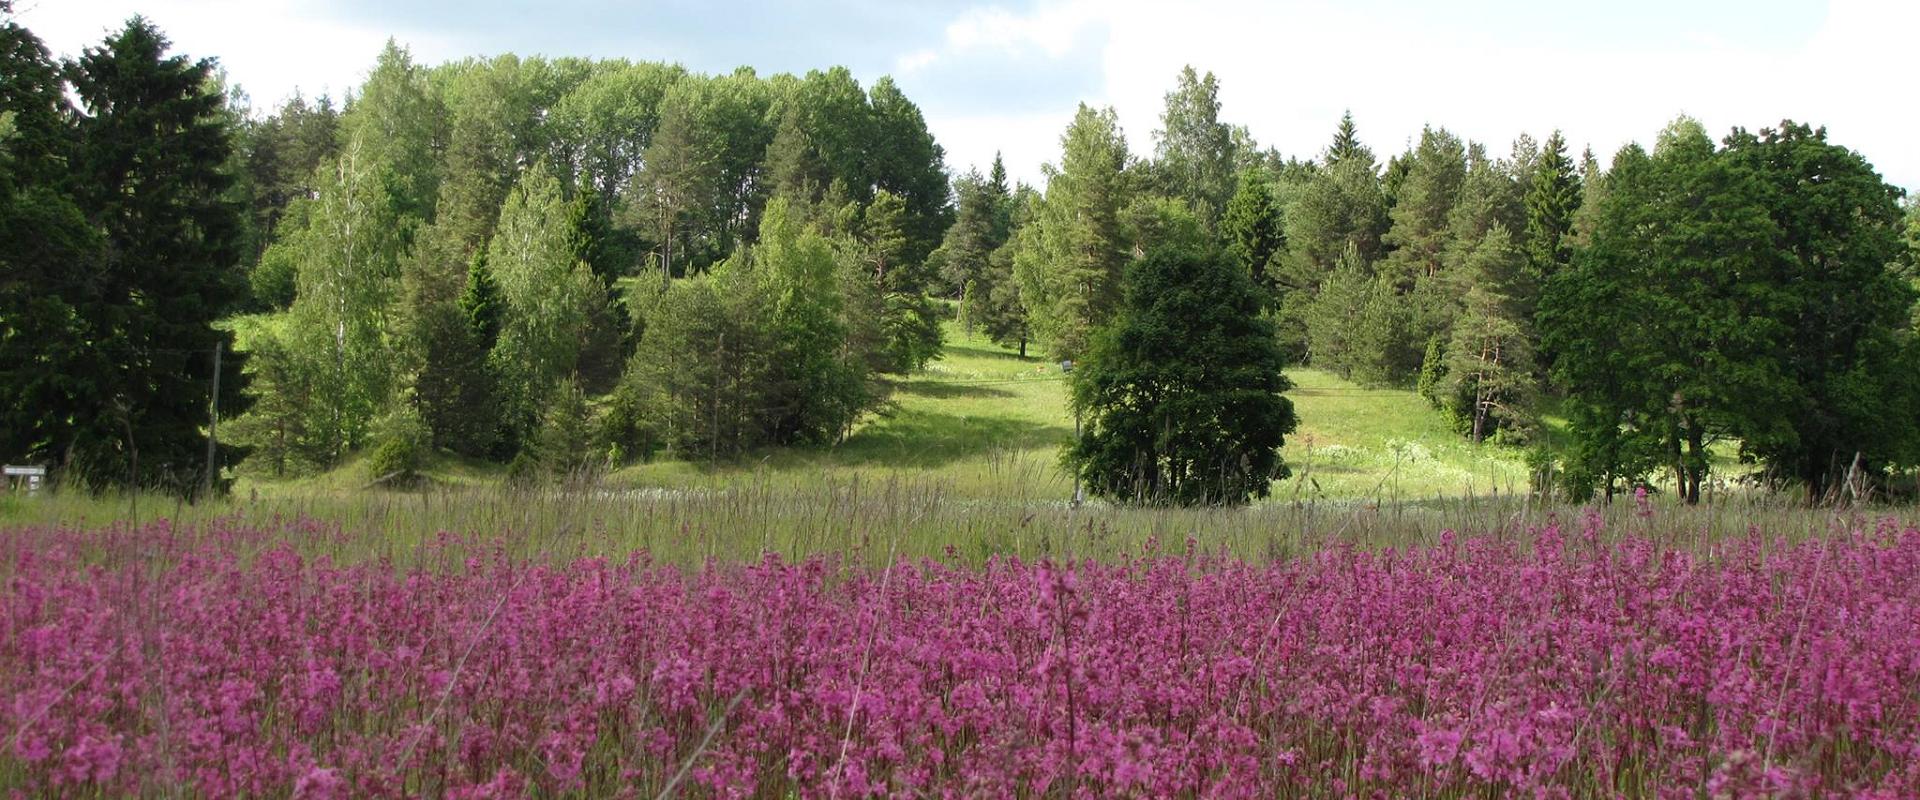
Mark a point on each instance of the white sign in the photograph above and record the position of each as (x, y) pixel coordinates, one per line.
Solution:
(25, 472)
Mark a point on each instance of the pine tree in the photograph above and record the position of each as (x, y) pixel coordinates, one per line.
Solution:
(1001, 314)
(908, 321)
(1073, 251)
(1490, 358)
(1333, 320)
(1435, 175)
(456, 390)
(152, 174)
(1182, 393)
(970, 240)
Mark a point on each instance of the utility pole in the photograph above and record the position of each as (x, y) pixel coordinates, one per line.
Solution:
(213, 423)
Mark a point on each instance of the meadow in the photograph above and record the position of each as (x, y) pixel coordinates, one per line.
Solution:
(919, 611)
(1583, 658)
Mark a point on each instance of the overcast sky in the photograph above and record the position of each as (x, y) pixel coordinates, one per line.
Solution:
(1007, 76)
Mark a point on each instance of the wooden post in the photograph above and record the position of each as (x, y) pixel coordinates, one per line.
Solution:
(213, 424)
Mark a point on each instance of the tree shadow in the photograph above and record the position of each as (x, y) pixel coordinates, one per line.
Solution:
(983, 352)
(938, 390)
(926, 439)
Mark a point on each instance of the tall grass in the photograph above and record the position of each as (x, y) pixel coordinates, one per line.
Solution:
(863, 521)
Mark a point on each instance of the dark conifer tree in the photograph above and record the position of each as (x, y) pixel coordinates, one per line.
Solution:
(151, 175)
(1182, 392)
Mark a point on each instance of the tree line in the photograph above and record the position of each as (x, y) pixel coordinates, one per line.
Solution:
(1757, 292)
(549, 263)
(561, 264)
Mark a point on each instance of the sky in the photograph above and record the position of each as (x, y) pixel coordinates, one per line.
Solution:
(1007, 77)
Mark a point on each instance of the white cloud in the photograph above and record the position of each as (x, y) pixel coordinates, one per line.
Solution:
(269, 47)
(916, 61)
(1053, 28)
(1289, 70)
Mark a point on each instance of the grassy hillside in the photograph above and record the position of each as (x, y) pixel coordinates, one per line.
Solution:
(985, 423)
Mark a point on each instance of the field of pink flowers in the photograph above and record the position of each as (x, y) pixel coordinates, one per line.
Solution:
(220, 662)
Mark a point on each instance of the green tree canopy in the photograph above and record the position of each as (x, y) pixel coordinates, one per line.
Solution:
(1182, 393)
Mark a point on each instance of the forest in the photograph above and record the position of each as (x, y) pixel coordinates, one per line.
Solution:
(567, 265)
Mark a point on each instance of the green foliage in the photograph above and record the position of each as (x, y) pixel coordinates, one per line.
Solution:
(401, 447)
(342, 323)
(1194, 150)
(1552, 199)
(1828, 278)
(548, 299)
(1182, 392)
(1489, 362)
(697, 378)
(1071, 254)
(906, 321)
(1357, 326)
(994, 302)
(393, 124)
(150, 171)
(907, 163)
(762, 352)
(1346, 145)
(283, 154)
(49, 369)
(976, 232)
(1433, 373)
(603, 127)
(564, 445)
(819, 384)
(1332, 209)
(1253, 228)
(1423, 204)
(275, 279)
(277, 430)
(1683, 256)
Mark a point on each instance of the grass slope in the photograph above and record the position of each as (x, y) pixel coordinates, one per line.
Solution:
(985, 423)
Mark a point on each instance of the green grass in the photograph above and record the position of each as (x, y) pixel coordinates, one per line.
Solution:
(988, 424)
(981, 420)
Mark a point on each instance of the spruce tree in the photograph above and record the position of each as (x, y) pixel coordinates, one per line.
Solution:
(1346, 144)
(1553, 196)
(151, 173)
(1252, 228)
(1182, 393)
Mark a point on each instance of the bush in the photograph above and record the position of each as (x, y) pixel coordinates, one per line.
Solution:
(401, 446)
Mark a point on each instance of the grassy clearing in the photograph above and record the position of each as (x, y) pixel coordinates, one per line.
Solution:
(987, 424)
